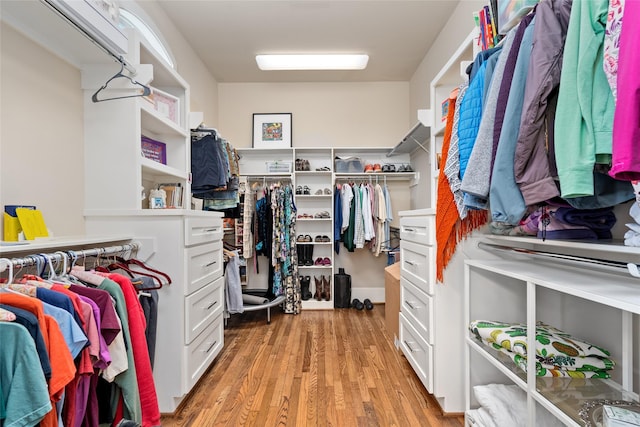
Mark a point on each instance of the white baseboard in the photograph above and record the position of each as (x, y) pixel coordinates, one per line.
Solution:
(375, 295)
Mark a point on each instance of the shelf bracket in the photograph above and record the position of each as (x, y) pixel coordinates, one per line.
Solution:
(420, 145)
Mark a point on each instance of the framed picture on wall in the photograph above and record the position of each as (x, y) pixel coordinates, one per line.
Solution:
(271, 130)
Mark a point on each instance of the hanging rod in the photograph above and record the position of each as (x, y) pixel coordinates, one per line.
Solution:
(31, 260)
(615, 266)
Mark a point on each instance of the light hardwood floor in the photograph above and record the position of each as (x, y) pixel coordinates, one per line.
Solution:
(318, 368)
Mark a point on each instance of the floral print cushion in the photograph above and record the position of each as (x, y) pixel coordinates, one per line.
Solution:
(557, 353)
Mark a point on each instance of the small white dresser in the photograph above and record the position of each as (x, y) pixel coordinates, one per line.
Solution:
(417, 281)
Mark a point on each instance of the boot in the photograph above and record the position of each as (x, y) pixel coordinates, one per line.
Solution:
(326, 286)
(301, 253)
(318, 293)
(305, 282)
(308, 259)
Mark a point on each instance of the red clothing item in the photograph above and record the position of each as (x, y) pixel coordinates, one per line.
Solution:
(144, 374)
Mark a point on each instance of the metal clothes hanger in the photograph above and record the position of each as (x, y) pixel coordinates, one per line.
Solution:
(146, 89)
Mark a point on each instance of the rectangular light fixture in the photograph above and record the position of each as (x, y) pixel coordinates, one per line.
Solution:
(312, 62)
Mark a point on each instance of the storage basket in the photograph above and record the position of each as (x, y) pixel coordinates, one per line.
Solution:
(279, 167)
(349, 165)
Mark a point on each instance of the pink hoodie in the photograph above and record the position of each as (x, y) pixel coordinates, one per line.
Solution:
(625, 160)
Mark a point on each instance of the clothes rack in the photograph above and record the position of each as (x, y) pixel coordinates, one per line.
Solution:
(68, 256)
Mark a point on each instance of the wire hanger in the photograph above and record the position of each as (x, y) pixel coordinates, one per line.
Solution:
(146, 89)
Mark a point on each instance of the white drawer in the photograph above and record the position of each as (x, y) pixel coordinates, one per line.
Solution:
(201, 307)
(418, 352)
(201, 352)
(202, 230)
(418, 229)
(417, 265)
(204, 265)
(418, 308)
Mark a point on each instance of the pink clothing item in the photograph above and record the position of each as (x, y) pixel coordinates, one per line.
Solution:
(625, 161)
(144, 374)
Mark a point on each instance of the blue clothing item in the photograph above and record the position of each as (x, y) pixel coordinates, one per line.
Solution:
(505, 198)
(73, 334)
(337, 220)
(30, 322)
(23, 390)
(208, 168)
(488, 72)
(470, 116)
(59, 300)
(480, 58)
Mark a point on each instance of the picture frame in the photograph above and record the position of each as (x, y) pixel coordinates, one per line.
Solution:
(272, 130)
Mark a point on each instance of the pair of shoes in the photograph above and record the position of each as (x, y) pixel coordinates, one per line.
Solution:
(377, 168)
(323, 288)
(320, 192)
(323, 261)
(305, 216)
(305, 283)
(324, 169)
(304, 238)
(302, 165)
(405, 168)
(368, 168)
(305, 253)
(388, 168)
(362, 305)
(322, 239)
(322, 215)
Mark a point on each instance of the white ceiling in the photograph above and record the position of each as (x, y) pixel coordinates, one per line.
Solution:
(227, 34)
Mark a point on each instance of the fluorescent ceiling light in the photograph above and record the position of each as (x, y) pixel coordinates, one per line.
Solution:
(312, 62)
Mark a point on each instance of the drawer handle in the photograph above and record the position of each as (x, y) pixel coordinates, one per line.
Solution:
(410, 230)
(210, 230)
(211, 305)
(411, 349)
(410, 262)
(210, 347)
(210, 264)
(411, 306)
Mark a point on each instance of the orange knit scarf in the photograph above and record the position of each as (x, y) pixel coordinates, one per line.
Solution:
(450, 229)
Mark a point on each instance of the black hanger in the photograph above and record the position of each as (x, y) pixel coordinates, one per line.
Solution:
(146, 90)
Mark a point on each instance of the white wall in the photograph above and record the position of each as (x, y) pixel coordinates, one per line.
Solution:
(324, 114)
(41, 137)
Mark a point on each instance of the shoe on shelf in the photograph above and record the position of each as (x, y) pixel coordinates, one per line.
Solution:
(368, 168)
(326, 261)
(305, 165)
(318, 294)
(306, 190)
(408, 168)
(298, 189)
(324, 169)
(377, 167)
(327, 191)
(318, 261)
(305, 283)
(368, 304)
(326, 286)
(318, 192)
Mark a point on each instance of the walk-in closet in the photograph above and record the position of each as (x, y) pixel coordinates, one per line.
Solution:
(442, 232)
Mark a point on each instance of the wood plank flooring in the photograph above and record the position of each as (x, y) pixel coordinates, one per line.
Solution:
(318, 368)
